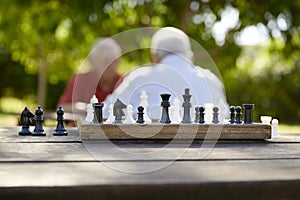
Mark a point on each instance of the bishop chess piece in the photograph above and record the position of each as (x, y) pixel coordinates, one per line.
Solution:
(144, 103)
(215, 115)
(140, 114)
(98, 113)
(60, 129)
(186, 106)
(232, 114)
(248, 113)
(118, 111)
(129, 118)
(197, 114)
(201, 115)
(26, 120)
(38, 130)
(238, 115)
(165, 104)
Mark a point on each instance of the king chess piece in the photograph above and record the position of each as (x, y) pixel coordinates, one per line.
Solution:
(60, 129)
(118, 111)
(186, 106)
(165, 104)
(39, 130)
(98, 113)
(140, 114)
(26, 120)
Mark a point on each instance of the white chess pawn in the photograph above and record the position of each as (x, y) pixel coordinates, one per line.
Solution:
(129, 118)
(175, 112)
(144, 103)
(274, 127)
(208, 112)
(111, 117)
(222, 111)
(94, 99)
(90, 110)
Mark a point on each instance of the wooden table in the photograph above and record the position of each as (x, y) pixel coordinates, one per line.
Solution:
(59, 167)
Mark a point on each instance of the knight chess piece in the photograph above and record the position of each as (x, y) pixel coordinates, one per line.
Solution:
(118, 111)
(38, 130)
(140, 114)
(248, 113)
(186, 106)
(60, 129)
(98, 113)
(165, 104)
(238, 116)
(26, 120)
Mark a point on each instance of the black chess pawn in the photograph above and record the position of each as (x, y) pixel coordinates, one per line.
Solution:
(140, 113)
(165, 104)
(60, 129)
(26, 120)
(215, 115)
(38, 130)
(232, 114)
(248, 113)
(201, 115)
(197, 114)
(118, 111)
(98, 113)
(238, 116)
(186, 106)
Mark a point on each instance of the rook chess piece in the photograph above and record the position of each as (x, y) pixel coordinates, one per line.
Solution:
(201, 115)
(197, 114)
(186, 106)
(38, 130)
(118, 111)
(232, 114)
(140, 114)
(165, 104)
(238, 116)
(248, 113)
(26, 121)
(98, 115)
(215, 115)
(60, 129)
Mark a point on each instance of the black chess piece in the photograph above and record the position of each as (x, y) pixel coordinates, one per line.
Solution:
(197, 114)
(26, 120)
(186, 106)
(201, 115)
(232, 114)
(118, 111)
(248, 113)
(60, 129)
(98, 113)
(38, 130)
(215, 115)
(238, 116)
(165, 104)
(140, 113)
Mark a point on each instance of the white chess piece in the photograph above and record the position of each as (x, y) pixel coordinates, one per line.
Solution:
(110, 118)
(90, 110)
(144, 103)
(208, 113)
(274, 127)
(129, 118)
(94, 99)
(222, 111)
(175, 112)
(265, 119)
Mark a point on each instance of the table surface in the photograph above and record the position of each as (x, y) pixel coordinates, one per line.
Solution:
(65, 166)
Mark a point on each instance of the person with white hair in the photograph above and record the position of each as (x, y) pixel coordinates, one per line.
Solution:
(173, 71)
(100, 80)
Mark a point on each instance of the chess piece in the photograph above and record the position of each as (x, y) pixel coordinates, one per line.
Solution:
(110, 118)
(165, 104)
(232, 114)
(38, 130)
(118, 111)
(90, 110)
(186, 106)
(129, 118)
(140, 114)
(265, 119)
(144, 103)
(238, 116)
(201, 115)
(215, 115)
(26, 121)
(222, 111)
(94, 99)
(208, 112)
(197, 114)
(60, 129)
(175, 112)
(274, 127)
(98, 114)
(248, 113)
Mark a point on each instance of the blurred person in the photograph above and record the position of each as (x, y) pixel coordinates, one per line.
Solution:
(172, 72)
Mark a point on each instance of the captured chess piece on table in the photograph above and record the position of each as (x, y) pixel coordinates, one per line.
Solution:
(60, 128)
(118, 111)
(39, 130)
(26, 120)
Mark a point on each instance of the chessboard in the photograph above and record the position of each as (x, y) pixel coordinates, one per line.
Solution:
(156, 131)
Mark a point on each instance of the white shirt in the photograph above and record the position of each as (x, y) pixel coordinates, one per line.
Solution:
(172, 75)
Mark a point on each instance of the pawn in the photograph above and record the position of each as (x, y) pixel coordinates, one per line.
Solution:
(238, 116)
(201, 115)
(60, 129)
(275, 127)
(197, 114)
(26, 121)
(38, 130)
(232, 114)
(111, 117)
(129, 118)
(140, 114)
(215, 115)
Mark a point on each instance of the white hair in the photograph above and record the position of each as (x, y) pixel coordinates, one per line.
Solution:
(170, 40)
